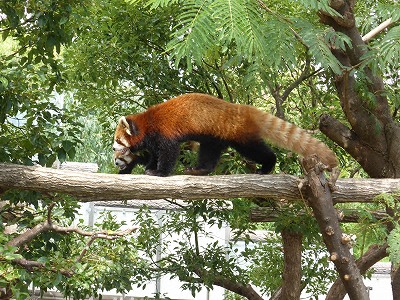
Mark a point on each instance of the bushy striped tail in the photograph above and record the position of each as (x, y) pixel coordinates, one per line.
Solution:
(286, 135)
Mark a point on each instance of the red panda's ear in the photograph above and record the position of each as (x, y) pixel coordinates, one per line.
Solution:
(128, 125)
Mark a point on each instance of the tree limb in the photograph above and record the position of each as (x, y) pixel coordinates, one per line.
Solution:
(31, 265)
(30, 234)
(370, 158)
(374, 32)
(242, 289)
(319, 197)
(268, 214)
(89, 187)
(374, 254)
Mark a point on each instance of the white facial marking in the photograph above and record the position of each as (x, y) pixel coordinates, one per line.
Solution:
(118, 146)
(124, 142)
(120, 164)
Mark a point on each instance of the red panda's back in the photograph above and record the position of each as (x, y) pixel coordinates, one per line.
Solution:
(200, 114)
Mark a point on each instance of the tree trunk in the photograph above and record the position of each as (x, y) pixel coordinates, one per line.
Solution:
(395, 277)
(373, 137)
(292, 245)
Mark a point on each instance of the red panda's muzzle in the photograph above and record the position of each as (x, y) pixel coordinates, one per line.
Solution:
(122, 157)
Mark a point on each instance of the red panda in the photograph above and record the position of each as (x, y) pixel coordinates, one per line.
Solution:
(215, 124)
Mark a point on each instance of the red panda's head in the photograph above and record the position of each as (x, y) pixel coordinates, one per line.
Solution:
(126, 136)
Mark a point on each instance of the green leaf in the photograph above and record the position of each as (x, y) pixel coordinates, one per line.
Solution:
(5, 34)
(58, 279)
(394, 246)
(63, 20)
(315, 39)
(61, 155)
(3, 83)
(42, 21)
(390, 47)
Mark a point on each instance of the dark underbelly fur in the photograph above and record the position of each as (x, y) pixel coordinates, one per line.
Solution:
(163, 153)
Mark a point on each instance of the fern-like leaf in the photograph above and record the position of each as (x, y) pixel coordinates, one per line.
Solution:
(390, 48)
(195, 34)
(315, 39)
(281, 44)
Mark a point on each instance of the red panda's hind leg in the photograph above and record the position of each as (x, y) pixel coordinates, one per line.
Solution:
(260, 153)
(209, 154)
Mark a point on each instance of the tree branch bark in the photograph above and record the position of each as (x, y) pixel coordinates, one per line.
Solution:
(291, 286)
(245, 290)
(268, 214)
(88, 187)
(366, 38)
(374, 254)
(319, 197)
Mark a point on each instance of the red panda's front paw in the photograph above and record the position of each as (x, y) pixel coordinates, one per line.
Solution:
(155, 173)
(150, 172)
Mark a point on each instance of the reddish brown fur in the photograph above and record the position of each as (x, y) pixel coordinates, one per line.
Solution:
(200, 114)
(215, 117)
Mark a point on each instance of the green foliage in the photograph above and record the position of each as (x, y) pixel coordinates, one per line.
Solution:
(33, 128)
(316, 40)
(266, 261)
(210, 27)
(188, 259)
(384, 53)
(38, 30)
(384, 49)
(253, 263)
(39, 133)
(106, 265)
(390, 202)
(394, 246)
(40, 27)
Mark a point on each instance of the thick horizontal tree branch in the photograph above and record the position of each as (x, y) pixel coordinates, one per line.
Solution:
(88, 187)
(269, 214)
